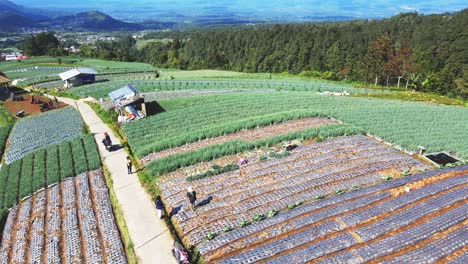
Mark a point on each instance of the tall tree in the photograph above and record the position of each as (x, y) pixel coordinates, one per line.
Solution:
(377, 55)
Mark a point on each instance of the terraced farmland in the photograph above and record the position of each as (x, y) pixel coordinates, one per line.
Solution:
(312, 170)
(406, 124)
(42, 130)
(46, 167)
(71, 222)
(247, 135)
(100, 90)
(414, 219)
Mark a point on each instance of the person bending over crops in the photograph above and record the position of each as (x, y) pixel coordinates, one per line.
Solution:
(192, 196)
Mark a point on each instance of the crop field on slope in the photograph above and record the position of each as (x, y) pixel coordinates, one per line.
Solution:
(383, 223)
(43, 69)
(100, 90)
(71, 222)
(45, 167)
(247, 135)
(42, 130)
(406, 124)
(312, 170)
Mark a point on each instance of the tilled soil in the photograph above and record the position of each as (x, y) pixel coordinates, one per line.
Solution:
(247, 135)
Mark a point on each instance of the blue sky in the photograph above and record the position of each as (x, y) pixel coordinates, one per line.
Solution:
(292, 9)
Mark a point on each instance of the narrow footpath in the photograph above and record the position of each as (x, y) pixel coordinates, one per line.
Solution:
(150, 236)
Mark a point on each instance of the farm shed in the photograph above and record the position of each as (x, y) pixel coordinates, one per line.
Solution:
(4, 81)
(78, 77)
(128, 102)
(4, 84)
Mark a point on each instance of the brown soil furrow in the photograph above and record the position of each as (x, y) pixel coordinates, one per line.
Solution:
(222, 254)
(247, 135)
(285, 165)
(209, 218)
(391, 233)
(247, 215)
(296, 153)
(30, 220)
(450, 257)
(8, 239)
(235, 247)
(79, 220)
(95, 210)
(422, 243)
(264, 182)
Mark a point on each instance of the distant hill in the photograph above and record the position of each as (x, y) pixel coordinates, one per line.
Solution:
(28, 13)
(91, 21)
(10, 21)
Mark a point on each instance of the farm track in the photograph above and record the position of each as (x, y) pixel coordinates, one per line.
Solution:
(312, 170)
(246, 135)
(357, 226)
(70, 222)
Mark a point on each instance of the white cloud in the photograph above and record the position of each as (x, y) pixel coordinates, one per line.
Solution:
(408, 8)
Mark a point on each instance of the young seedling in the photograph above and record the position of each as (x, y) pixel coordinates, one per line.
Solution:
(339, 191)
(291, 206)
(405, 173)
(244, 223)
(298, 203)
(262, 158)
(318, 197)
(258, 217)
(226, 229)
(449, 165)
(354, 188)
(210, 235)
(422, 169)
(272, 213)
(386, 178)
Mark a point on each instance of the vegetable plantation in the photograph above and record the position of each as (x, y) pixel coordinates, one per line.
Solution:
(39, 131)
(100, 90)
(406, 124)
(71, 222)
(46, 167)
(311, 170)
(384, 223)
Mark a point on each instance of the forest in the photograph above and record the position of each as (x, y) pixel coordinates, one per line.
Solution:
(409, 51)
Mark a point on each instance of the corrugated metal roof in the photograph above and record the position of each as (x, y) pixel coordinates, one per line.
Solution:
(75, 72)
(3, 78)
(125, 92)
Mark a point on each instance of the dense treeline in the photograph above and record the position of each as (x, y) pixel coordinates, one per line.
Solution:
(428, 53)
(421, 52)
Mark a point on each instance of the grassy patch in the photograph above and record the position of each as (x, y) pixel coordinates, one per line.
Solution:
(416, 97)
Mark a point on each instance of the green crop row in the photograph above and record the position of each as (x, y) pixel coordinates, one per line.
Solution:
(173, 162)
(214, 130)
(407, 124)
(100, 90)
(45, 167)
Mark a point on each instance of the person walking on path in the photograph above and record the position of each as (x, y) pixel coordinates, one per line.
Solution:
(159, 206)
(129, 165)
(192, 196)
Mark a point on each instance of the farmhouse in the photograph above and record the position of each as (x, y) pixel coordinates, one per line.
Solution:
(78, 77)
(129, 103)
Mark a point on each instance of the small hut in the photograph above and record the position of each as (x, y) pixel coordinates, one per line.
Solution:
(129, 103)
(5, 84)
(78, 77)
(4, 81)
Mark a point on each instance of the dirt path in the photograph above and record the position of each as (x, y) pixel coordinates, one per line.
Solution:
(150, 236)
